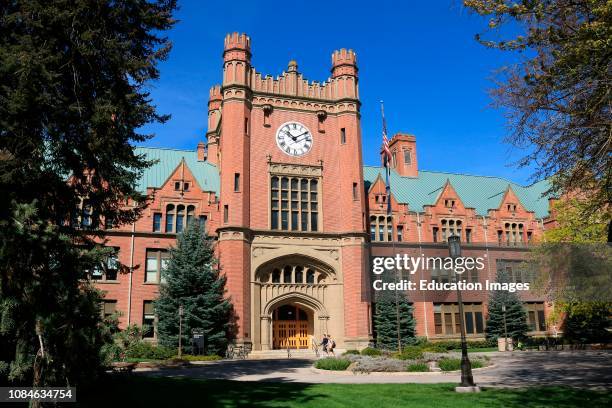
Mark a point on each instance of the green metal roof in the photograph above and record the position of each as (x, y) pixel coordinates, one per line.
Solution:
(167, 160)
(479, 192)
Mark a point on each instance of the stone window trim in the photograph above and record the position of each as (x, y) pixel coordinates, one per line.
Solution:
(512, 233)
(296, 203)
(155, 260)
(447, 324)
(450, 227)
(297, 272)
(188, 210)
(381, 228)
(536, 316)
(108, 270)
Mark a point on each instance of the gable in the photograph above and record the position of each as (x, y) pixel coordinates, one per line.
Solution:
(167, 162)
(479, 192)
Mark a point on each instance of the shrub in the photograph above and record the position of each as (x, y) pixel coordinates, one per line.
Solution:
(347, 352)
(453, 364)
(145, 349)
(434, 348)
(477, 363)
(449, 364)
(330, 363)
(417, 367)
(367, 364)
(410, 353)
(369, 351)
(189, 357)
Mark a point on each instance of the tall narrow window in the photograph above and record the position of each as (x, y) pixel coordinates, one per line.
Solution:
(342, 135)
(157, 217)
(148, 319)
(203, 221)
(468, 235)
(170, 218)
(236, 181)
(407, 157)
(180, 218)
(400, 233)
(435, 234)
(354, 191)
(246, 126)
(190, 214)
(225, 213)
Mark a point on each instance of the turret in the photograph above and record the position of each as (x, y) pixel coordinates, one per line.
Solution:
(236, 59)
(344, 72)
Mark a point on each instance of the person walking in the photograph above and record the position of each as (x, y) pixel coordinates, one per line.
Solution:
(331, 344)
(324, 343)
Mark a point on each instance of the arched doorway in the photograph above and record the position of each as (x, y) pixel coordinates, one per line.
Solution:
(291, 327)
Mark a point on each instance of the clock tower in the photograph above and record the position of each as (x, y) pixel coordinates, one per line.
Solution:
(292, 236)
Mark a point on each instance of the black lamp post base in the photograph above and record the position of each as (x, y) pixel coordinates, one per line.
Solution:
(461, 389)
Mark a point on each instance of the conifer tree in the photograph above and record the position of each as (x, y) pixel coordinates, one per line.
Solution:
(516, 317)
(193, 280)
(74, 79)
(386, 319)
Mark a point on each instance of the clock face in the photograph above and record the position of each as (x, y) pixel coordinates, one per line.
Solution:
(294, 139)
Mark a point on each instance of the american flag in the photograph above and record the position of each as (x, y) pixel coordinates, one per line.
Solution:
(386, 151)
(386, 156)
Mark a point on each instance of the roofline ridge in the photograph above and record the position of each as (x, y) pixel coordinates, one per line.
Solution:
(165, 148)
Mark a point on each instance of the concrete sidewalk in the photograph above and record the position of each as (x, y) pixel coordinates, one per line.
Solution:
(588, 369)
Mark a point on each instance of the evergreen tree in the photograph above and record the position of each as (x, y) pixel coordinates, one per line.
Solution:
(516, 317)
(386, 317)
(193, 280)
(73, 94)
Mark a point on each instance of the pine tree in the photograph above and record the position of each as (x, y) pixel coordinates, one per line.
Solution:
(385, 321)
(193, 280)
(74, 79)
(516, 317)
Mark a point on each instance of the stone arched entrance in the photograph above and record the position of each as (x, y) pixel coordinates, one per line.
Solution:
(297, 283)
(292, 327)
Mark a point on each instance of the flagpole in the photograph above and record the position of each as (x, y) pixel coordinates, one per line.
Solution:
(387, 163)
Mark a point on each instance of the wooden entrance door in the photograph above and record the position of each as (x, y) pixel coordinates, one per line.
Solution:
(290, 328)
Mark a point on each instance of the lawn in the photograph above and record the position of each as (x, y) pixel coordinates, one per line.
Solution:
(139, 391)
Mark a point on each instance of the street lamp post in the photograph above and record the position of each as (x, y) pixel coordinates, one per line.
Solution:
(467, 380)
(505, 328)
(180, 311)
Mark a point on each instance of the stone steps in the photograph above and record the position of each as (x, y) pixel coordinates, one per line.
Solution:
(282, 354)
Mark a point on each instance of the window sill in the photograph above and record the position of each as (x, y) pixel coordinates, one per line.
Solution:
(110, 282)
(150, 283)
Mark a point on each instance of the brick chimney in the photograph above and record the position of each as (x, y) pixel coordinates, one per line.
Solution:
(201, 151)
(404, 154)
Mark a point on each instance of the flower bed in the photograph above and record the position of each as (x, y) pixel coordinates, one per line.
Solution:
(411, 360)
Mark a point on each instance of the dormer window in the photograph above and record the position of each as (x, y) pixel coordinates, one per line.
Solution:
(449, 203)
(186, 186)
(177, 186)
(511, 207)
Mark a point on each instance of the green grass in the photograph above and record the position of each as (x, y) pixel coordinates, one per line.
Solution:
(152, 392)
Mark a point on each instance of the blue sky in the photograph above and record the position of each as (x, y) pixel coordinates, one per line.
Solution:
(419, 57)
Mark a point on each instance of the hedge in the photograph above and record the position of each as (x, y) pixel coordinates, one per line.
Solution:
(330, 363)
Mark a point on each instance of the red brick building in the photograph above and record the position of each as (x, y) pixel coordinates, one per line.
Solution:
(297, 217)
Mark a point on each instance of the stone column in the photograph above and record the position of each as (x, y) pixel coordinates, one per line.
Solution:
(266, 332)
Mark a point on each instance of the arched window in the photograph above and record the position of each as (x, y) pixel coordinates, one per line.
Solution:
(299, 274)
(287, 274)
(180, 218)
(190, 214)
(170, 212)
(276, 276)
(310, 277)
